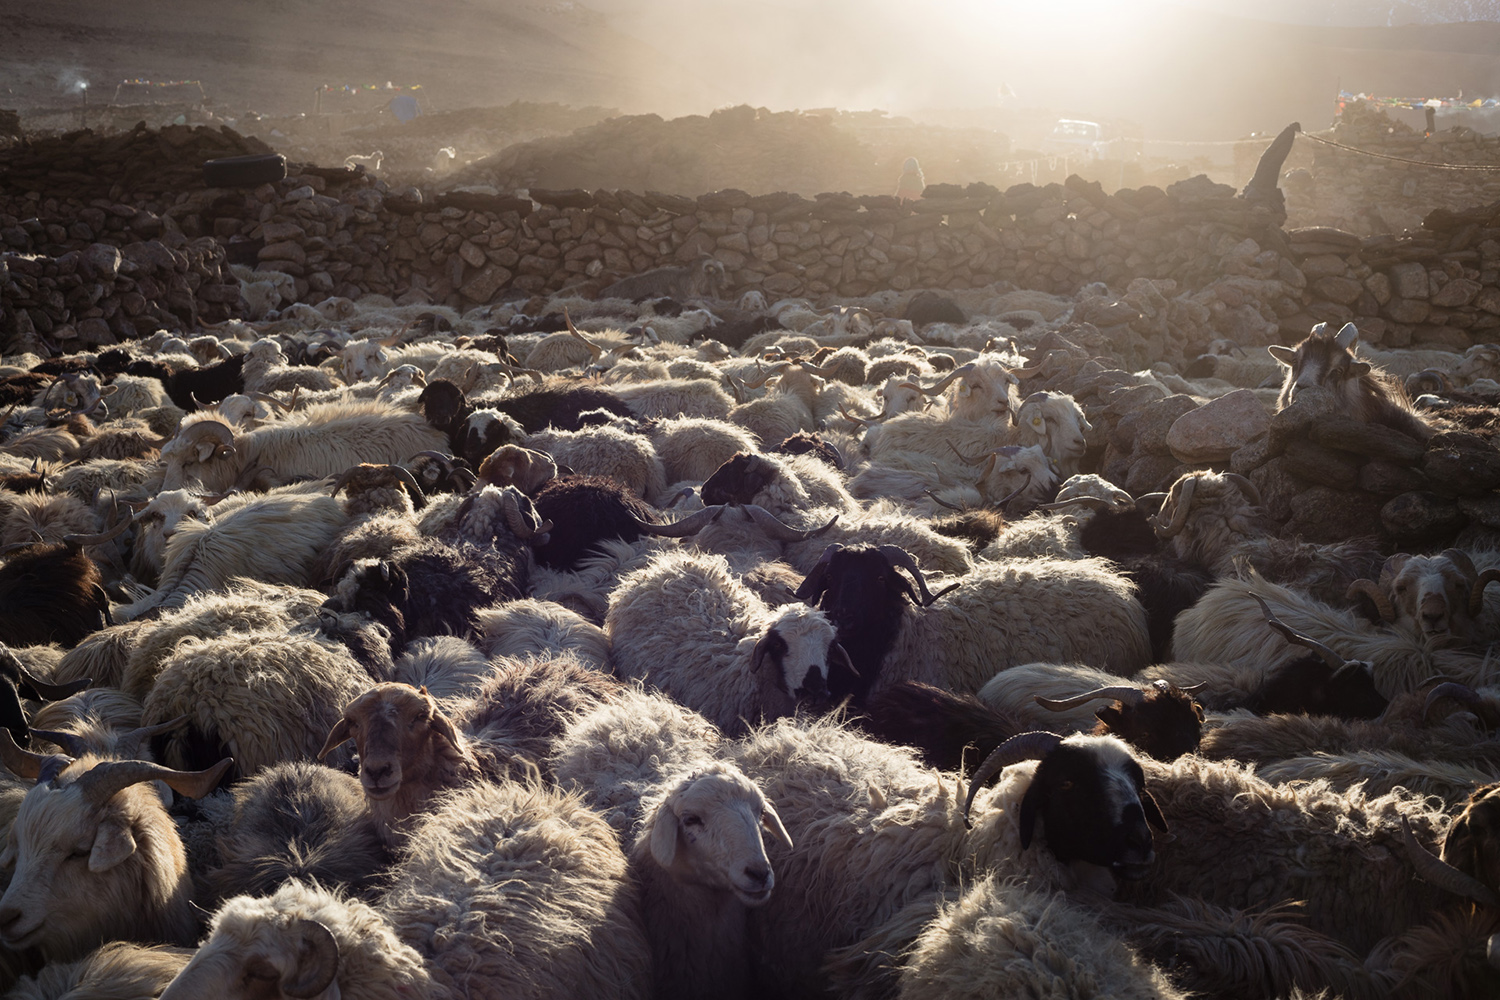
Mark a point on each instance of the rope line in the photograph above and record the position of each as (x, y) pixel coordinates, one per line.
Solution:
(1481, 167)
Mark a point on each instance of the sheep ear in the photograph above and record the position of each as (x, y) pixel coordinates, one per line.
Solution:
(113, 843)
(1359, 369)
(206, 451)
(664, 836)
(772, 823)
(1348, 335)
(1031, 802)
(338, 734)
(771, 645)
(1153, 811)
(1285, 355)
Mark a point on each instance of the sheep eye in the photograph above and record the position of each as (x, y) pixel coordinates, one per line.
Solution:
(692, 820)
(1066, 786)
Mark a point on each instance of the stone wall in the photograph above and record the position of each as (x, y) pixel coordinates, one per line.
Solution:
(1189, 264)
(1367, 195)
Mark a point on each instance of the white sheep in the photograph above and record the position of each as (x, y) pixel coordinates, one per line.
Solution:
(688, 626)
(702, 867)
(303, 941)
(513, 890)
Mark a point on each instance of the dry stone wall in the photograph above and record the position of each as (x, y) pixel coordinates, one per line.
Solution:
(1163, 272)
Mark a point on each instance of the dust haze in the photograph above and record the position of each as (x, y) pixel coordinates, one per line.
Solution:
(1178, 72)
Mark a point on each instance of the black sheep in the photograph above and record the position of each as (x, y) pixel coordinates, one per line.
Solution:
(863, 594)
(1168, 585)
(210, 384)
(949, 730)
(50, 592)
(433, 588)
(584, 511)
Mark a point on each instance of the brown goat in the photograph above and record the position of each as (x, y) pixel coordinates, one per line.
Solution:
(408, 751)
(1366, 393)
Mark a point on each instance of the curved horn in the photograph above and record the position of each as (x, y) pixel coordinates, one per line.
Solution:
(943, 503)
(129, 744)
(818, 370)
(774, 370)
(72, 744)
(1443, 875)
(413, 488)
(78, 541)
(1017, 492)
(511, 505)
(343, 480)
(1087, 501)
(45, 691)
(1246, 487)
(897, 556)
(1382, 603)
(269, 400)
(690, 525)
(1023, 746)
(974, 460)
(1172, 528)
(946, 380)
(215, 429)
(1476, 592)
(595, 351)
(862, 421)
(105, 780)
(1125, 694)
(778, 529)
(317, 960)
(24, 763)
(1461, 693)
(1334, 660)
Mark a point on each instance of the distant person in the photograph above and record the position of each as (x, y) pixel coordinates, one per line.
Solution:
(912, 183)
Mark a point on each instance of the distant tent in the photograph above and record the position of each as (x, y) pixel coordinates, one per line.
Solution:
(405, 107)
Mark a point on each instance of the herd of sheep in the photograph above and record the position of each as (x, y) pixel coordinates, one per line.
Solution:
(657, 645)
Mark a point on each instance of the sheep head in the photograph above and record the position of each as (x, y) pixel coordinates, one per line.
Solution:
(1206, 513)
(439, 473)
(204, 451)
(707, 829)
(373, 488)
(254, 959)
(1057, 423)
(739, 479)
(524, 468)
(1472, 844)
(801, 645)
(1323, 358)
(1089, 792)
(408, 749)
(361, 360)
(1160, 720)
(1320, 683)
(1433, 596)
(96, 856)
(862, 591)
